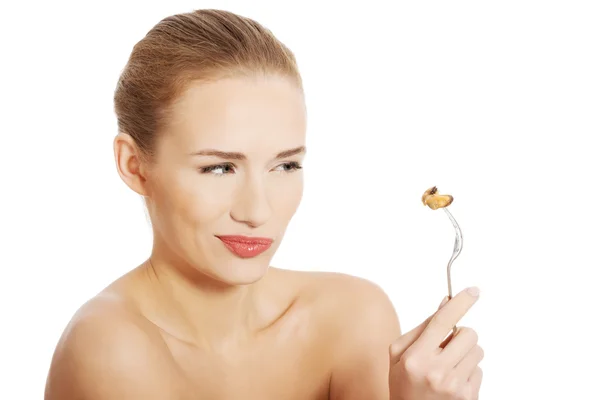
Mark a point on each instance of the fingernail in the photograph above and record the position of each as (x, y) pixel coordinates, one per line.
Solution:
(473, 291)
(443, 302)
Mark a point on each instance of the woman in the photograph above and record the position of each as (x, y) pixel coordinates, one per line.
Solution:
(212, 124)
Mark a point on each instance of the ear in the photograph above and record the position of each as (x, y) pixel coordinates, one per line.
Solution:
(130, 163)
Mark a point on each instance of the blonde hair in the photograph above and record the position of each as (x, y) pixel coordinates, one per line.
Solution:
(202, 45)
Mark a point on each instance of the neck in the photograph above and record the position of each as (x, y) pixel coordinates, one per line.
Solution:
(198, 309)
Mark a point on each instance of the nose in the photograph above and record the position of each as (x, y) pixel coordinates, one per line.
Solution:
(251, 205)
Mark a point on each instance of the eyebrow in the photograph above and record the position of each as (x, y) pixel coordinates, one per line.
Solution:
(227, 155)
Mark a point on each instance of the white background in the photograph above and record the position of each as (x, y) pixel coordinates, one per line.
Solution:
(496, 103)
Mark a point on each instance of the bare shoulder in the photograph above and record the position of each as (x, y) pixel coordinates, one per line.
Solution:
(347, 300)
(361, 322)
(109, 351)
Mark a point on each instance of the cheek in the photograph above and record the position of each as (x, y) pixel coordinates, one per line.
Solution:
(208, 198)
(194, 199)
(285, 195)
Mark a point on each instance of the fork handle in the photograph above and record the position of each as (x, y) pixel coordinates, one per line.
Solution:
(454, 328)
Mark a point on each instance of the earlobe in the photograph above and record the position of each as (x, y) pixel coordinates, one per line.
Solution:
(129, 163)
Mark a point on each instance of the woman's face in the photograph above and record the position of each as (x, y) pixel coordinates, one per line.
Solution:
(228, 164)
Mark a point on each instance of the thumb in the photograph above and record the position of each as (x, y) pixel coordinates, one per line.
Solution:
(399, 346)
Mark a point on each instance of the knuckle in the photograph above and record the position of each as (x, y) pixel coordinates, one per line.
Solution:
(412, 364)
(451, 386)
(470, 333)
(435, 380)
(480, 352)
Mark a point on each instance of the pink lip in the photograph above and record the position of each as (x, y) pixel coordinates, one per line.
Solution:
(246, 246)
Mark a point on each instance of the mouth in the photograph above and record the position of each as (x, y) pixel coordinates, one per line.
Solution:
(246, 246)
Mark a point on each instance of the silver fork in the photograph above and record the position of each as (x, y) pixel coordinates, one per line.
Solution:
(458, 245)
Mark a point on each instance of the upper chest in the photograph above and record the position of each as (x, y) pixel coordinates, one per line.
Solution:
(291, 360)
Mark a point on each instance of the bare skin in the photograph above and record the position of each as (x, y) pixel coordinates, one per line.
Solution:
(112, 350)
(196, 321)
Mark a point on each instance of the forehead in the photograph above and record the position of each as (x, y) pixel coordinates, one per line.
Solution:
(248, 114)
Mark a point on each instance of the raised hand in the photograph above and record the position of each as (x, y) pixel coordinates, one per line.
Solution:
(426, 364)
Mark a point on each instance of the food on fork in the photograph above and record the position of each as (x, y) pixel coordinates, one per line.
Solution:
(434, 200)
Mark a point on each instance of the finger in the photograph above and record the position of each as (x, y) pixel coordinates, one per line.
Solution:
(465, 369)
(443, 303)
(398, 347)
(449, 337)
(474, 383)
(446, 318)
(464, 340)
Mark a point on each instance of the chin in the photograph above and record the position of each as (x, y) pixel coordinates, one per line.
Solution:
(240, 271)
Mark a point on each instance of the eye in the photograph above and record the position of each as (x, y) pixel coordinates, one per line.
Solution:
(219, 169)
(289, 167)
